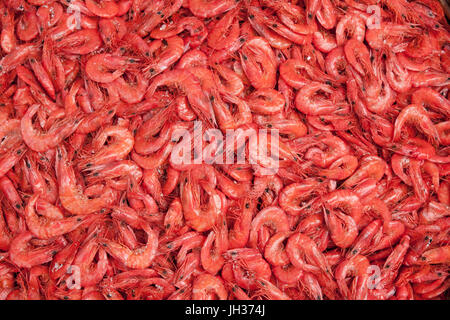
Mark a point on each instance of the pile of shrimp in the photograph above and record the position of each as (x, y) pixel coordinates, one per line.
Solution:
(94, 204)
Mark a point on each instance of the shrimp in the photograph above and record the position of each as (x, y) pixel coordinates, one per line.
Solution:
(417, 115)
(120, 143)
(208, 287)
(106, 68)
(41, 142)
(313, 99)
(24, 255)
(270, 217)
(258, 62)
(70, 193)
(304, 254)
(45, 228)
(436, 256)
(141, 257)
(356, 266)
(198, 217)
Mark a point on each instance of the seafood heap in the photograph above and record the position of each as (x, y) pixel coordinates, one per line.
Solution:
(98, 99)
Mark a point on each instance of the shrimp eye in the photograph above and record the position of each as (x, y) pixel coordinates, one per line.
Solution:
(164, 42)
(251, 16)
(79, 220)
(247, 205)
(18, 206)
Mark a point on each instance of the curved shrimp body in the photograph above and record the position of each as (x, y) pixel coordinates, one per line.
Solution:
(343, 228)
(209, 287)
(70, 193)
(211, 257)
(295, 197)
(125, 171)
(225, 31)
(270, 217)
(371, 167)
(80, 42)
(427, 97)
(41, 142)
(312, 99)
(206, 9)
(120, 143)
(356, 266)
(106, 68)
(139, 258)
(298, 73)
(274, 251)
(352, 26)
(24, 256)
(45, 228)
(258, 62)
(304, 254)
(266, 101)
(247, 266)
(345, 200)
(167, 53)
(186, 82)
(12, 149)
(415, 114)
(84, 258)
(198, 217)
